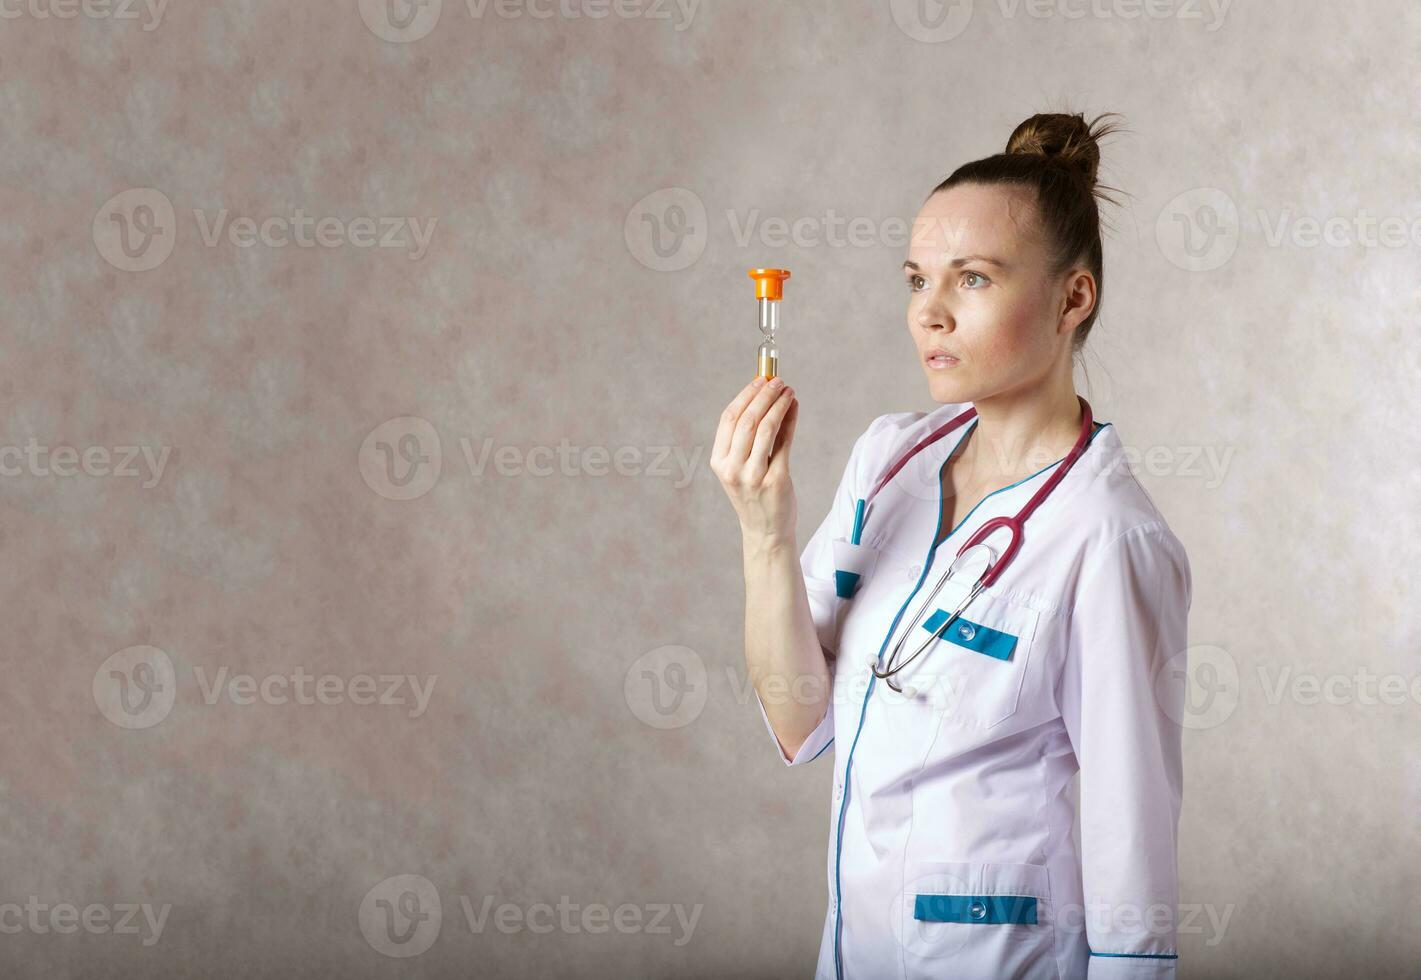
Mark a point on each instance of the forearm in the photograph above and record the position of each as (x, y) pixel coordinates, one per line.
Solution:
(783, 657)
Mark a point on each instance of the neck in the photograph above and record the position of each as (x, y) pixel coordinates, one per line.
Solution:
(1020, 432)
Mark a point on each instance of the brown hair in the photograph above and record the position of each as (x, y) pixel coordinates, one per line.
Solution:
(1056, 155)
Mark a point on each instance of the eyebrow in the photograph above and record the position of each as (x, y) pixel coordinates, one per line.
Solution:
(960, 262)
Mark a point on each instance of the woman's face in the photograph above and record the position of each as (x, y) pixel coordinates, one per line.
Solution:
(979, 290)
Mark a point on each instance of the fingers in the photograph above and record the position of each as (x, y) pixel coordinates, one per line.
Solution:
(728, 419)
(779, 456)
(767, 434)
(742, 432)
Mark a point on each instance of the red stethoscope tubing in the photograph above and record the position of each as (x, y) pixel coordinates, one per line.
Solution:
(1016, 525)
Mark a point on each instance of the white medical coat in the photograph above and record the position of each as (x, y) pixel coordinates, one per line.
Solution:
(951, 842)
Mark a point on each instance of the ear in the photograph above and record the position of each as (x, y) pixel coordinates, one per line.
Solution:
(1077, 300)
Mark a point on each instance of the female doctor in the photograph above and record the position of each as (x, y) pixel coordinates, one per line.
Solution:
(964, 673)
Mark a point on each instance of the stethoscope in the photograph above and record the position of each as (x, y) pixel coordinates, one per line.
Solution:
(1015, 525)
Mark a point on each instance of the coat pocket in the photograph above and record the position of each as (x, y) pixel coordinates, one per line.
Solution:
(972, 667)
(976, 919)
(852, 564)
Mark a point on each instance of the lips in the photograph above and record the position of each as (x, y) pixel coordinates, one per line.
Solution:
(938, 357)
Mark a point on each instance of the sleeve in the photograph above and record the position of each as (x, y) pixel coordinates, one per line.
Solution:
(1122, 711)
(817, 563)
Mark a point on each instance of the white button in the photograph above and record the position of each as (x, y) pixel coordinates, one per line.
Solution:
(966, 631)
(915, 571)
(978, 910)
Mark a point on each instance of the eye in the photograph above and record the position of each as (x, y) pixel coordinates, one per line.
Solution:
(976, 276)
(916, 282)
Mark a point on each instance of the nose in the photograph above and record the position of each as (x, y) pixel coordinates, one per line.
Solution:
(933, 313)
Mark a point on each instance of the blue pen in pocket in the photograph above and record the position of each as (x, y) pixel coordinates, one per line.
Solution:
(852, 561)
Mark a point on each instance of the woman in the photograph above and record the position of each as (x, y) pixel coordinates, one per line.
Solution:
(951, 848)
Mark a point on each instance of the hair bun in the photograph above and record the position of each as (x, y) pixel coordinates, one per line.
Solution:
(1065, 138)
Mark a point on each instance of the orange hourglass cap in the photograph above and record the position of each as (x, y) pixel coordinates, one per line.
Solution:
(769, 283)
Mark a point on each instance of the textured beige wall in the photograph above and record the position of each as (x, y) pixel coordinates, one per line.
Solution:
(457, 433)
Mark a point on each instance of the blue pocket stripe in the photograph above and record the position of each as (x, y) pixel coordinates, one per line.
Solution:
(845, 583)
(983, 909)
(973, 636)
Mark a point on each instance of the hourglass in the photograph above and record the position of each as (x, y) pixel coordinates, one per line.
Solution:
(769, 290)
